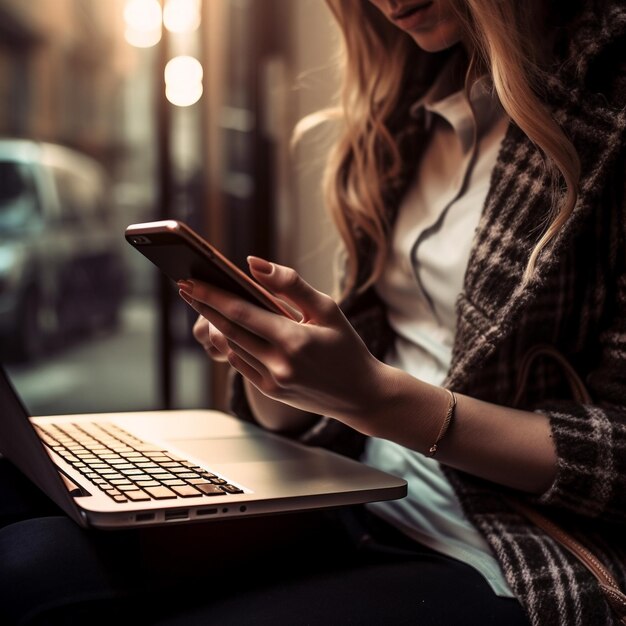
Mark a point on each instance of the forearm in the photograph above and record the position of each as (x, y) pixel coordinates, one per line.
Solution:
(323, 366)
(274, 415)
(501, 444)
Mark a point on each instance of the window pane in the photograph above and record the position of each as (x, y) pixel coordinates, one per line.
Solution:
(80, 310)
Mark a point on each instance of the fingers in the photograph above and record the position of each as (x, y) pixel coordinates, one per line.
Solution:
(246, 364)
(221, 349)
(211, 339)
(239, 314)
(201, 330)
(287, 283)
(224, 332)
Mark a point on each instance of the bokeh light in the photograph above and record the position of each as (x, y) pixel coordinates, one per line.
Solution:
(143, 22)
(181, 16)
(183, 80)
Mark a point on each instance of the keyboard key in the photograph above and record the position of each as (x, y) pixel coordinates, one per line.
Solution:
(161, 493)
(128, 469)
(210, 490)
(164, 477)
(137, 496)
(109, 474)
(186, 491)
(231, 489)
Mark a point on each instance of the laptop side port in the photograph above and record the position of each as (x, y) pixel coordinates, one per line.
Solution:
(144, 517)
(212, 511)
(176, 514)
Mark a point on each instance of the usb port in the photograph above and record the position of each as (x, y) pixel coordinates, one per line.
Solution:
(176, 514)
(144, 517)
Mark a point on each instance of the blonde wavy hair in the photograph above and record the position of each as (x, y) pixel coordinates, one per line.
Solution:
(504, 39)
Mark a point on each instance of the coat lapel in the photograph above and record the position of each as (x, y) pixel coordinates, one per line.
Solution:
(518, 204)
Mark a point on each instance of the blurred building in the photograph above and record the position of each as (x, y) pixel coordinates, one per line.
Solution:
(59, 73)
(269, 63)
(68, 76)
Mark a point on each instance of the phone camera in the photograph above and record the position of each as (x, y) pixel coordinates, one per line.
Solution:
(140, 239)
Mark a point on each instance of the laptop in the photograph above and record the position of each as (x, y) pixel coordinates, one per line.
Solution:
(122, 470)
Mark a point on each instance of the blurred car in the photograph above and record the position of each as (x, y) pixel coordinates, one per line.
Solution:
(61, 263)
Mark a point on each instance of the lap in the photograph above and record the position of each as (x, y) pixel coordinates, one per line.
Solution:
(51, 570)
(417, 591)
(19, 498)
(278, 569)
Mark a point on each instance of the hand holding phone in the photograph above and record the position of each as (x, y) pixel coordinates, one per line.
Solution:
(181, 254)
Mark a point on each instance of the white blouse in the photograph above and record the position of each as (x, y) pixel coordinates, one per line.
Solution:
(424, 275)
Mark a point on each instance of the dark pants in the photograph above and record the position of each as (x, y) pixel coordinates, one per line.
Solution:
(334, 567)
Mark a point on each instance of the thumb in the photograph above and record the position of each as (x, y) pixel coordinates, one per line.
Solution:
(289, 285)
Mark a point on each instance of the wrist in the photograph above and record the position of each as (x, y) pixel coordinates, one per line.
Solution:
(406, 410)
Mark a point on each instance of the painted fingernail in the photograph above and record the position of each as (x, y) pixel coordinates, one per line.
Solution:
(185, 297)
(186, 286)
(260, 265)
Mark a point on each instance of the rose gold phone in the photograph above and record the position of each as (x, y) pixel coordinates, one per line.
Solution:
(181, 254)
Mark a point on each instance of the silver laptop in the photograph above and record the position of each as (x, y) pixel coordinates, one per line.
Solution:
(121, 470)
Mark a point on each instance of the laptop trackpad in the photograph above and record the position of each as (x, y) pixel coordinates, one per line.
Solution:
(235, 450)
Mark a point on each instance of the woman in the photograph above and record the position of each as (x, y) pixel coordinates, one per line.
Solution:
(477, 183)
(478, 186)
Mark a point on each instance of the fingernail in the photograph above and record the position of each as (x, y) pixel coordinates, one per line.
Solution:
(186, 286)
(260, 265)
(185, 297)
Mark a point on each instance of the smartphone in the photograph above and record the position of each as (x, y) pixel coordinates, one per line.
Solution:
(180, 253)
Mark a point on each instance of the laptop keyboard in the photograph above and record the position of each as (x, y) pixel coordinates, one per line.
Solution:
(128, 469)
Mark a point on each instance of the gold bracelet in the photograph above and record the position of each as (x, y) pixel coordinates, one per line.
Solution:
(446, 423)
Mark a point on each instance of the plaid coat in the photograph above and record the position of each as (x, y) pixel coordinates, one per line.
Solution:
(575, 302)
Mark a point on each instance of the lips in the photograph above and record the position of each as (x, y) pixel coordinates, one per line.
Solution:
(408, 11)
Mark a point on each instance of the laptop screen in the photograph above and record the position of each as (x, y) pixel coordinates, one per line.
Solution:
(20, 444)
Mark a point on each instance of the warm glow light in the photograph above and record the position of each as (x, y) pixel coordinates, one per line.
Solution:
(183, 69)
(143, 22)
(181, 16)
(183, 81)
(184, 97)
(142, 39)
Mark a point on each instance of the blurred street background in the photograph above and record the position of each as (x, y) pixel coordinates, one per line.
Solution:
(109, 372)
(121, 111)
